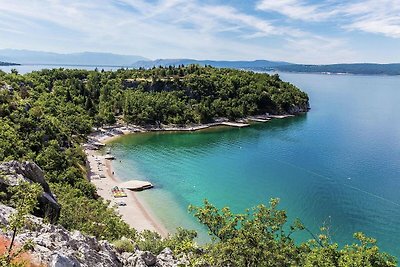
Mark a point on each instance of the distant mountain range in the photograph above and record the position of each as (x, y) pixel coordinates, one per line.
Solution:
(354, 68)
(28, 57)
(265, 65)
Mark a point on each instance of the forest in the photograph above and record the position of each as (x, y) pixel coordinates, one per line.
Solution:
(46, 115)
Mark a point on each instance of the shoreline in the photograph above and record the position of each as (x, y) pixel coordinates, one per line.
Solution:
(135, 213)
(109, 133)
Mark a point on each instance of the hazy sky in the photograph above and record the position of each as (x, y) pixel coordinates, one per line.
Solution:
(301, 31)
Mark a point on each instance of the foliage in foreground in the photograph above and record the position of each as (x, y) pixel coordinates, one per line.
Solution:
(24, 199)
(259, 238)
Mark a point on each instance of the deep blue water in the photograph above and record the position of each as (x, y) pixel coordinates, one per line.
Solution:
(339, 164)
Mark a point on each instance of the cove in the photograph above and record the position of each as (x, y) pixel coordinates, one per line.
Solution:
(339, 164)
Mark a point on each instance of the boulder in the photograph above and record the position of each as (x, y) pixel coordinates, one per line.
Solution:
(148, 258)
(166, 259)
(134, 260)
(13, 171)
(60, 260)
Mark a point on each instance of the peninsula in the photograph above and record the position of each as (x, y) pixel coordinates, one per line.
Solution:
(8, 64)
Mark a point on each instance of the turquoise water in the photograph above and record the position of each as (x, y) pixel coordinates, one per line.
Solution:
(338, 164)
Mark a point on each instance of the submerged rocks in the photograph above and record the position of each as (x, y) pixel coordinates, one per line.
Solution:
(55, 246)
(13, 171)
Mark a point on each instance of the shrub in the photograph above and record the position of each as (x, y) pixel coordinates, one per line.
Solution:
(124, 245)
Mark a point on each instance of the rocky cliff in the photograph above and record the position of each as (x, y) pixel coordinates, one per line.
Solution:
(12, 172)
(54, 246)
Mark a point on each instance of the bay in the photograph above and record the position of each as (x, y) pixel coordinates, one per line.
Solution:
(338, 165)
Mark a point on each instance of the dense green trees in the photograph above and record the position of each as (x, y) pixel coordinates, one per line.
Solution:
(183, 95)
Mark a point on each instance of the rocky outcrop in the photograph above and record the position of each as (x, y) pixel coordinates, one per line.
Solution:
(12, 172)
(57, 247)
(6, 87)
(299, 109)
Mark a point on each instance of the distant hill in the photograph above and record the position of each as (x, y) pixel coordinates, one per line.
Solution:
(85, 58)
(108, 59)
(356, 68)
(265, 65)
(8, 64)
(214, 63)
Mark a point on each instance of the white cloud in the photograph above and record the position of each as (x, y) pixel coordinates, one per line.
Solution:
(380, 17)
(297, 9)
(168, 28)
(163, 28)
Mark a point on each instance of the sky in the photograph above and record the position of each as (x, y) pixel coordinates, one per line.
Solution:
(299, 31)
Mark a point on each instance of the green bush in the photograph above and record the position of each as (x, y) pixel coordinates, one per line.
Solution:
(124, 245)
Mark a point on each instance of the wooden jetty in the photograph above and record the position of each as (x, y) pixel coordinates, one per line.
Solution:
(136, 185)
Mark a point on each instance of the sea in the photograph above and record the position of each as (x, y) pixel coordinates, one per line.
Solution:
(337, 166)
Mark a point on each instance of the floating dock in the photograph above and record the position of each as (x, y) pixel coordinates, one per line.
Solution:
(200, 127)
(235, 124)
(257, 119)
(136, 185)
(280, 116)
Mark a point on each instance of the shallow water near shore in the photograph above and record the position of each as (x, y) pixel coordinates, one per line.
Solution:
(339, 164)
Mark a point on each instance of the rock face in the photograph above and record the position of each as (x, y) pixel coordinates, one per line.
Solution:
(299, 109)
(13, 171)
(57, 247)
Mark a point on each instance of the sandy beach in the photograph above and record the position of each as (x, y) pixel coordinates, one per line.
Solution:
(134, 213)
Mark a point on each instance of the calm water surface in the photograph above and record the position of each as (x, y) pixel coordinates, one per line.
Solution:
(339, 164)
